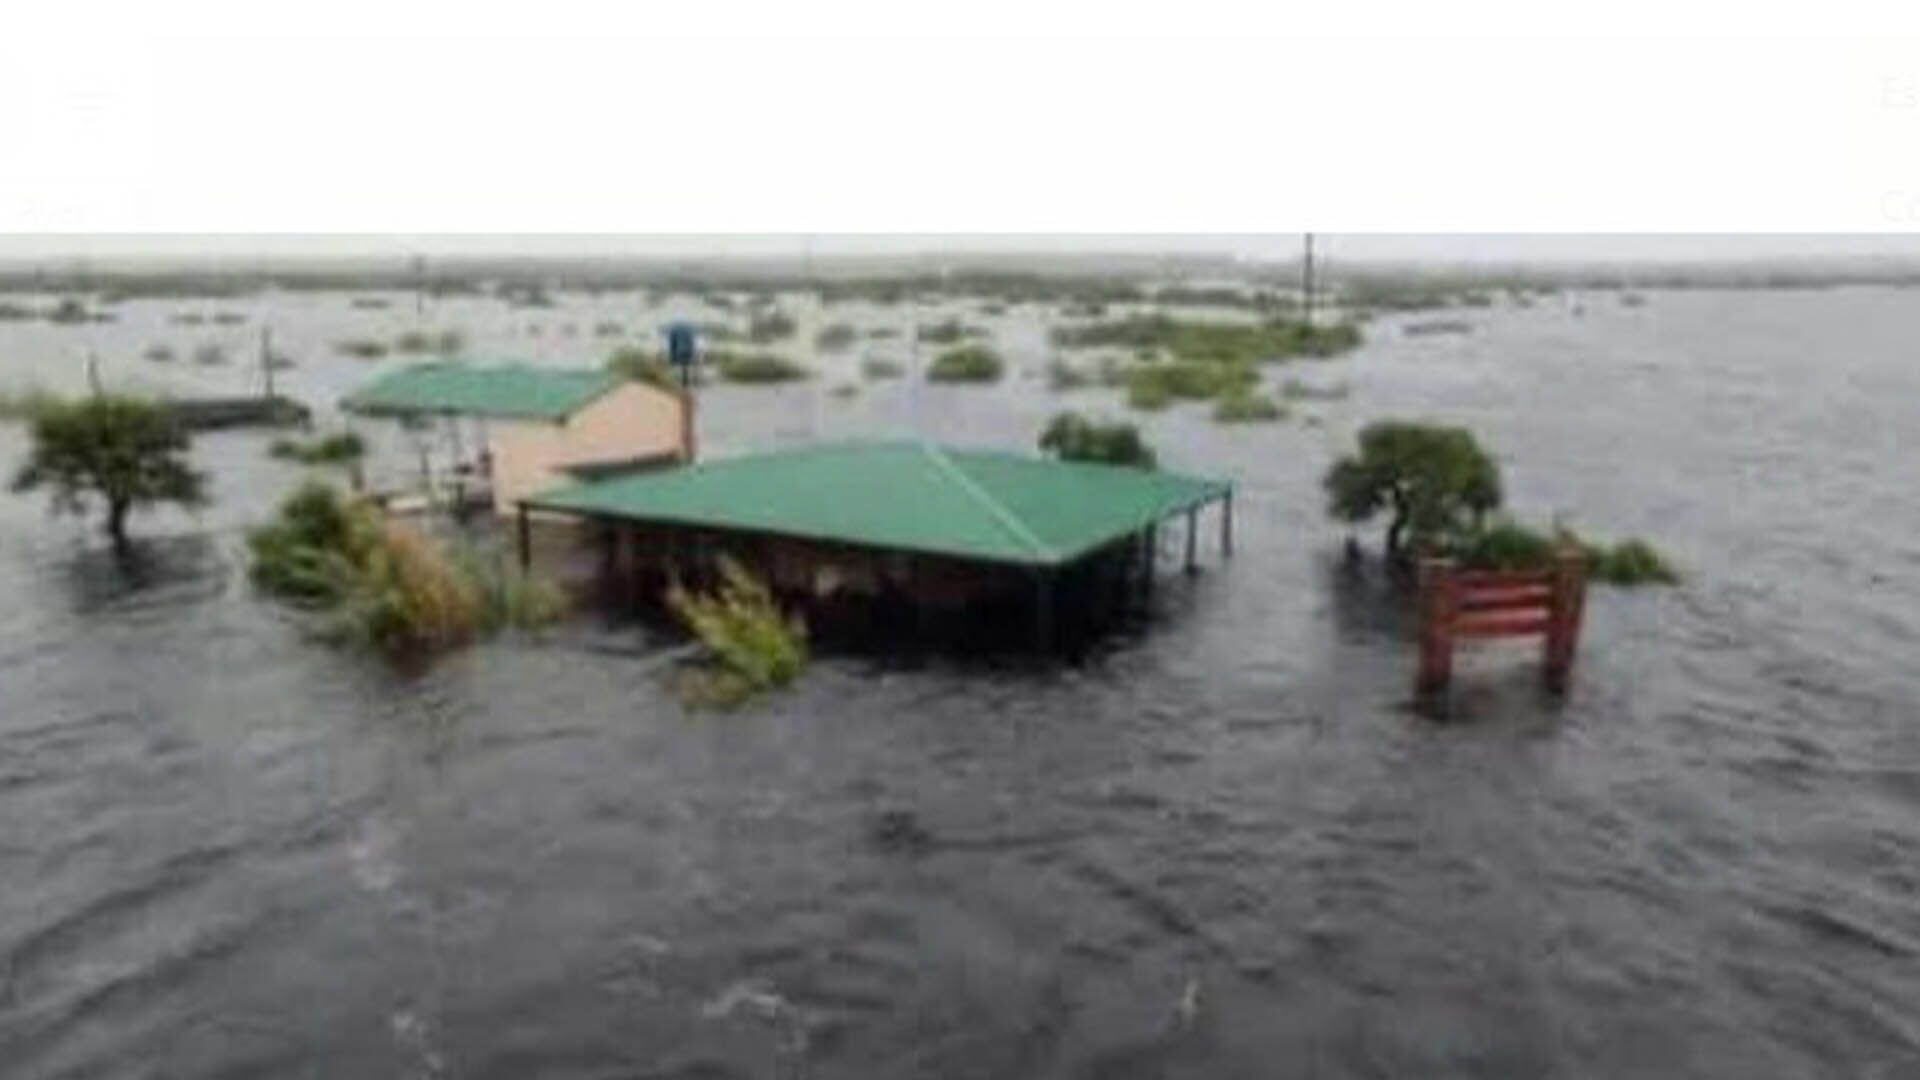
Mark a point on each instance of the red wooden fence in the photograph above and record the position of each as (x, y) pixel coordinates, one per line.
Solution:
(1457, 604)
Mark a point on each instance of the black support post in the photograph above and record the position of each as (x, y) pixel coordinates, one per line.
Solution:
(1193, 530)
(1043, 611)
(1226, 524)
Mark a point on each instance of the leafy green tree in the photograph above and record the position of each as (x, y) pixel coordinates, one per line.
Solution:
(1435, 483)
(1072, 437)
(127, 452)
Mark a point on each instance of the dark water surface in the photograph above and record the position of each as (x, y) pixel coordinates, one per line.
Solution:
(1220, 848)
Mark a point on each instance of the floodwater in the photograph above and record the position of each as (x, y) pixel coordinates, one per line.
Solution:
(1220, 847)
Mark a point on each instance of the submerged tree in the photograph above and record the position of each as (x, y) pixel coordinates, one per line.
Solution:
(127, 452)
(1073, 437)
(1435, 483)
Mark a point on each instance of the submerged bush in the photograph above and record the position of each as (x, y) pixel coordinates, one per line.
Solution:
(1064, 376)
(757, 367)
(1072, 437)
(968, 363)
(1214, 342)
(386, 586)
(1154, 386)
(361, 348)
(639, 364)
(771, 326)
(947, 332)
(875, 368)
(751, 645)
(1243, 406)
(1630, 562)
(159, 354)
(328, 450)
(1507, 544)
(836, 337)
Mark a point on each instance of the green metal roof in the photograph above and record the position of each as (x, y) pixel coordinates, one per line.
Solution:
(507, 390)
(981, 505)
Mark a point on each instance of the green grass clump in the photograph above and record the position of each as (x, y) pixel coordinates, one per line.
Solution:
(875, 368)
(751, 367)
(751, 645)
(837, 337)
(948, 332)
(1243, 406)
(337, 449)
(361, 348)
(968, 363)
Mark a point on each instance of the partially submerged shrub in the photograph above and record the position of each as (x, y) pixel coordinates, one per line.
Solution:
(1630, 562)
(384, 585)
(875, 368)
(1072, 437)
(361, 348)
(751, 644)
(836, 337)
(1509, 545)
(209, 355)
(757, 367)
(333, 449)
(443, 342)
(159, 354)
(1296, 390)
(770, 326)
(642, 365)
(1153, 386)
(1243, 406)
(947, 332)
(1064, 376)
(968, 363)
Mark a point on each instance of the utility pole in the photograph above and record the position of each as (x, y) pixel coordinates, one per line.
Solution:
(1306, 282)
(266, 358)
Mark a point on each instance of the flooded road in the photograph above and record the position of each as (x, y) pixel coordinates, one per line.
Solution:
(1222, 847)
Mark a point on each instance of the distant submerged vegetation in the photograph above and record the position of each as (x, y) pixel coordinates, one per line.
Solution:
(1214, 342)
(967, 364)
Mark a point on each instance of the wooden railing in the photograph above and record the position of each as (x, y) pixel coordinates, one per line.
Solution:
(1456, 604)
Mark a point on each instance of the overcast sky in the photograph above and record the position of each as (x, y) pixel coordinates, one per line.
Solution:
(1433, 247)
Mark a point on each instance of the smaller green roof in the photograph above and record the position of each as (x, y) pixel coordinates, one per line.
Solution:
(515, 391)
(981, 505)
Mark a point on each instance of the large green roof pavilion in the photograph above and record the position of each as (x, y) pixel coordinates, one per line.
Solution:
(971, 506)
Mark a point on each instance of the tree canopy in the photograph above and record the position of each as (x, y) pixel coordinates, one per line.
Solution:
(1072, 437)
(1435, 483)
(127, 452)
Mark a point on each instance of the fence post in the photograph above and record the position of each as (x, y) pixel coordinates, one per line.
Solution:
(1563, 624)
(1439, 600)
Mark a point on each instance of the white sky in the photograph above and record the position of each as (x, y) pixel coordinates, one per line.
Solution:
(1353, 246)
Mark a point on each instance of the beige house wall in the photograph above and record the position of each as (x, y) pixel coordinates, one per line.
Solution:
(632, 421)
